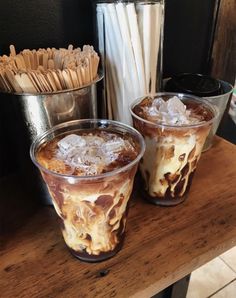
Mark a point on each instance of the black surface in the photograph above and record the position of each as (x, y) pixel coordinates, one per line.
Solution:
(18, 202)
(177, 290)
(189, 30)
(56, 23)
(44, 23)
(227, 129)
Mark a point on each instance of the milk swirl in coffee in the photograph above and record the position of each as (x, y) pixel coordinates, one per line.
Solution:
(174, 131)
(91, 204)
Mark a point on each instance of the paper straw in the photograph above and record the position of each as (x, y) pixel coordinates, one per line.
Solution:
(147, 29)
(111, 52)
(114, 50)
(137, 48)
(156, 21)
(100, 31)
(129, 55)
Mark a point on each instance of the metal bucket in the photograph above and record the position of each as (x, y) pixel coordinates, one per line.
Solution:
(29, 115)
(220, 102)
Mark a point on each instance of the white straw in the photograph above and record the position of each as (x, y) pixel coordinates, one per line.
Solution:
(120, 57)
(124, 28)
(139, 10)
(156, 21)
(129, 40)
(111, 53)
(147, 35)
(114, 56)
(100, 26)
(137, 48)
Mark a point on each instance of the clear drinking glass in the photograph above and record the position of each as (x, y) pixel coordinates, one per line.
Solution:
(130, 39)
(172, 152)
(92, 209)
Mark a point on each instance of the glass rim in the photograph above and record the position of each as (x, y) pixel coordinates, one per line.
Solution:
(39, 140)
(179, 95)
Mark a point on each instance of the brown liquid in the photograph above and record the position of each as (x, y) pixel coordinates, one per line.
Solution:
(47, 154)
(84, 256)
(93, 211)
(172, 154)
(201, 111)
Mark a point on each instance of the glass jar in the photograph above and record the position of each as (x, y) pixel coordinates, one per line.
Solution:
(130, 39)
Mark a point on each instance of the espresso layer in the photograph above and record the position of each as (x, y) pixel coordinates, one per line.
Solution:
(87, 153)
(172, 111)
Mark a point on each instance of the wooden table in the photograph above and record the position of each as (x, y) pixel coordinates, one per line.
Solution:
(163, 244)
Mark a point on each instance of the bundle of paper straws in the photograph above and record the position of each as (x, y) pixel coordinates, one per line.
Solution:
(48, 70)
(129, 42)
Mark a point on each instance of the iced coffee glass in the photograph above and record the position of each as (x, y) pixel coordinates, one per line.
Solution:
(174, 127)
(89, 168)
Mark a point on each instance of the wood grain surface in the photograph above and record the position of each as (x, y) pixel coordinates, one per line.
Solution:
(224, 46)
(163, 244)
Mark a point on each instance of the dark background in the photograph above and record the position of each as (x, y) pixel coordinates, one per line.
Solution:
(57, 23)
(189, 28)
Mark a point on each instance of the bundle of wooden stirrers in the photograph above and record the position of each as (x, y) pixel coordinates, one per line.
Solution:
(48, 70)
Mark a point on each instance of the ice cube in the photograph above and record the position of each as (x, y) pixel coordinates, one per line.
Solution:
(109, 157)
(175, 106)
(89, 170)
(76, 160)
(70, 142)
(92, 156)
(114, 145)
(157, 102)
(153, 111)
(92, 170)
(94, 140)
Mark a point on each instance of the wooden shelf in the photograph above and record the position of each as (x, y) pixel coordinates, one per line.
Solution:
(162, 244)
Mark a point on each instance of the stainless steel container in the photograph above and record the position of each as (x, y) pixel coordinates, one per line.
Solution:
(220, 102)
(29, 115)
